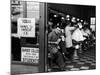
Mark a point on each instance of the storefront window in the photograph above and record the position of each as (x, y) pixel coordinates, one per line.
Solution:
(16, 12)
(25, 31)
(33, 12)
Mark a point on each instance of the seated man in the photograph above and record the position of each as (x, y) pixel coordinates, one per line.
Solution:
(77, 37)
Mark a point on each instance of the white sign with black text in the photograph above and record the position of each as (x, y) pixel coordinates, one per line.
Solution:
(26, 27)
(30, 55)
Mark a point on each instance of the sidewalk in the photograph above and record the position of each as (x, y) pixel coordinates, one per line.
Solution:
(23, 69)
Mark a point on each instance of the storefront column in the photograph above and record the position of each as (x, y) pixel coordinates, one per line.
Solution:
(43, 46)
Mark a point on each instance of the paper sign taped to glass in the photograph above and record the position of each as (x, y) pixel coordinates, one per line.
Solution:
(30, 54)
(26, 27)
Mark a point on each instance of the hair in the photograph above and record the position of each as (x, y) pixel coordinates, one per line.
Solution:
(64, 24)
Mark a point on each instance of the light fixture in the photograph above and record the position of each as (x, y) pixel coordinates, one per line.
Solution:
(78, 19)
(55, 15)
(81, 20)
(73, 18)
(68, 19)
(62, 18)
(67, 16)
(57, 24)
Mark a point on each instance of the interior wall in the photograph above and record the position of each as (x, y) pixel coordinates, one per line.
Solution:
(82, 11)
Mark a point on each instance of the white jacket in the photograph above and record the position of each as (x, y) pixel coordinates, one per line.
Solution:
(68, 39)
(77, 35)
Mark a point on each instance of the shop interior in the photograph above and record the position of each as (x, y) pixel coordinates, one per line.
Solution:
(59, 13)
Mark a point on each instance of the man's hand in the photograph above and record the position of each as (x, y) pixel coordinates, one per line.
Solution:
(58, 41)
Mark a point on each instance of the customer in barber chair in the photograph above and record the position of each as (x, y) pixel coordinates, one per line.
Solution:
(78, 38)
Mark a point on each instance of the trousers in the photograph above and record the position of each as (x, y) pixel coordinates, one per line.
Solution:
(70, 52)
(58, 59)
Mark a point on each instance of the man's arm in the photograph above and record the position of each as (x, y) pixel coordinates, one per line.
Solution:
(56, 42)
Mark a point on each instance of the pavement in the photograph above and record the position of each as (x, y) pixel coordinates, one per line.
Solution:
(17, 69)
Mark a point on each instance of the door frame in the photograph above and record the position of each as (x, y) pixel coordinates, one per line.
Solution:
(43, 37)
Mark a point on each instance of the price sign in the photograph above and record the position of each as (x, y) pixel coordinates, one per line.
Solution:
(30, 55)
(26, 27)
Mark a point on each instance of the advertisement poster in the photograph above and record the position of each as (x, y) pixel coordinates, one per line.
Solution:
(26, 27)
(30, 55)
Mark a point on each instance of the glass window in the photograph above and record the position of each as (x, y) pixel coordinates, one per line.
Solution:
(24, 47)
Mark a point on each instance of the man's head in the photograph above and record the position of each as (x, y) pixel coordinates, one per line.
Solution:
(80, 25)
(57, 30)
(50, 23)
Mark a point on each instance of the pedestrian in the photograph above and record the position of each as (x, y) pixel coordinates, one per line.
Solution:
(53, 41)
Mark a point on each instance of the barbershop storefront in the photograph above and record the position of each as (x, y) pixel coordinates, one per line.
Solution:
(31, 22)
